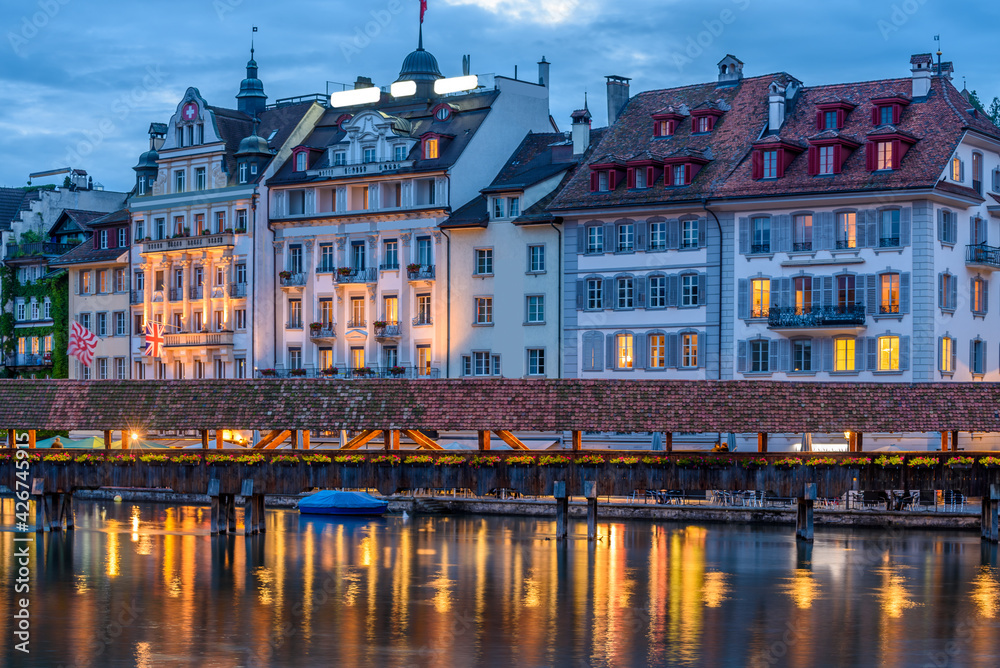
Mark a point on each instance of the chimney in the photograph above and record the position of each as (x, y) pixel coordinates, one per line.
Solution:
(921, 66)
(466, 65)
(363, 82)
(581, 129)
(543, 72)
(618, 94)
(776, 106)
(730, 70)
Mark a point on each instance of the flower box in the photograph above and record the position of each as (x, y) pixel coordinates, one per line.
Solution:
(315, 326)
(480, 461)
(754, 463)
(345, 271)
(284, 275)
(299, 373)
(413, 268)
(656, 462)
(521, 460)
(386, 460)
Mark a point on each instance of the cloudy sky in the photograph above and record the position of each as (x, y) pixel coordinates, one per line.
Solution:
(81, 81)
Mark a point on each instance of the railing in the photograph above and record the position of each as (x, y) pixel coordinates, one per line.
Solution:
(387, 331)
(760, 312)
(34, 248)
(137, 296)
(656, 247)
(359, 167)
(888, 242)
(424, 273)
(760, 248)
(625, 248)
(843, 244)
(325, 269)
(357, 324)
(199, 339)
(189, 243)
(982, 254)
(344, 372)
(29, 359)
(423, 319)
(357, 276)
(685, 245)
(175, 294)
(823, 316)
(197, 291)
(389, 266)
(237, 290)
(293, 280)
(887, 309)
(802, 246)
(327, 331)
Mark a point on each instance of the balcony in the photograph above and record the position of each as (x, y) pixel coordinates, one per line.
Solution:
(237, 290)
(386, 329)
(888, 242)
(802, 246)
(982, 256)
(343, 372)
(833, 319)
(29, 360)
(760, 249)
(356, 168)
(176, 294)
(199, 339)
(322, 331)
(36, 249)
(423, 319)
(184, 244)
(137, 297)
(357, 323)
(421, 272)
(196, 292)
(292, 282)
(325, 269)
(346, 275)
(389, 266)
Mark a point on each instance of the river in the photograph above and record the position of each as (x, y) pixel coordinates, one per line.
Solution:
(146, 585)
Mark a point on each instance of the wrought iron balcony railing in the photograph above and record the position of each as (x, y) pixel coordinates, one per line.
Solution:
(388, 330)
(424, 273)
(760, 248)
(344, 372)
(237, 290)
(357, 276)
(983, 255)
(423, 319)
(824, 316)
(292, 280)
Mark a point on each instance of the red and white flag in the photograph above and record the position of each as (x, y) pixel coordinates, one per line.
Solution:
(82, 342)
(154, 339)
(423, 8)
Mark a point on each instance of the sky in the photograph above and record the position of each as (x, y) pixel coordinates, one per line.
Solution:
(81, 81)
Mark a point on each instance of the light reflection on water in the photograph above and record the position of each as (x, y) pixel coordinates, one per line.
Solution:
(456, 591)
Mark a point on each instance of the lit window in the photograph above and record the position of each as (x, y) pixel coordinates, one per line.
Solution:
(301, 161)
(803, 294)
(704, 124)
(657, 351)
(484, 310)
(623, 345)
(770, 164)
(979, 291)
(802, 355)
(689, 350)
(761, 297)
(956, 169)
(844, 354)
(888, 353)
(826, 159)
(430, 149)
(883, 158)
(847, 230)
(947, 354)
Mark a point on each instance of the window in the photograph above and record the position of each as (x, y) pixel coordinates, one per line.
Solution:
(122, 237)
(761, 235)
(240, 367)
(803, 294)
(977, 172)
(770, 164)
(888, 228)
(424, 361)
(301, 161)
(885, 115)
(357, 312)
(602, 181)
(802, 355)
(830, 120)
(761, 297)
(978, 233)
(295, 358)
(656, 291)
(199, 223)
(536, 259)
(484, 261)
(759, 356)
(640, 177)
(826, 159)
(339, 158)
(802, 232)
(294, 314)
(947, 358)
(956, 169)
(140, 371)
(889, 291)
(424, 255)
(161, 228)
(657, 351)
(390, 254)
(843, 354)
(846, 293)
(657, 236)
(178, 225)
(623, 351)
(883, 155)
(326, 262)
(84, 282)
(368, 154)
(689, 234)
(624, 292)
(498, 207)
(484, 310)
(84, 372)
(980, 289)
(431, 149)
(102, 368)
(423, 310)
(220, 321)
(513, 207)
(390, 309)
(179, 181)
(47, 309)
(102, 324)
(103, 239)
(947, 291)
(178, 370)
(139, 230)
(118, 280)
(220, 369)
(102, 281)
(399, 152)
(536, 309)
(243, 172)
(326, 359)
(482, 364)
(689, 350)
(141, 186)
(326, 311)
(34, 310)
(679, 175)
(199, 179)
(357, 255)
(689, 290)
(626, 238)
(536, 362)
(888, 353)
(22, 311)
(121, 324)
(595, 239)
(595, 294)
(241, 318)
(847, 231)
(704, 124)
(120, 368)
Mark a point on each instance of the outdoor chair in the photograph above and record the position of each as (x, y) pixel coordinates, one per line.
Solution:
(927, 498)
(954, 500)
(872, 499)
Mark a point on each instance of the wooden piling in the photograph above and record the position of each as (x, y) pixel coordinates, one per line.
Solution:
(204, 439)
(804, 518)
(305, 439)
(107, 439)
(590, 493)
(944, 441)
(577, 439)
(31, 439)
(990, 526)
(484, 439)
(562, 508)
(761, 442)
(859, 441)
(219, 441)
(295, 439)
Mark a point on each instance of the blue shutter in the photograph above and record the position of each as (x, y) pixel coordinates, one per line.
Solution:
(784, 355)
(743, 299)
(904, 353)
(610, 242)
(702, 236)
(744, 236)
(673, 350)
(859, 353)
(702, 349)
(942, 226)
(607, 293)
(904, 292)
(871, 223)
(954, 345)
(639, 351)
(826, 346)
(640, 292)
(972, 356)
(871, 292)
(828, 291)
(816, 285)
(741, 356)
(673, 289)
(581, 239)
(986, 295)
(871, 343)
(673, 234)
(953, 300)
(941, 303)
(972, 294)
(702, 289)
(640, 235)
(940, 353)
(598, 344)
(609, 352)
(784, 229)
(772, 355)
(787, 296)
(973, 237)
(953, 228)
(824, 235)
(961, 171)
(904, 226)
(860, 229)
(581, 294)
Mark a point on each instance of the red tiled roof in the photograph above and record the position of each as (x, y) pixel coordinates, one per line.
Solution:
(542, 405)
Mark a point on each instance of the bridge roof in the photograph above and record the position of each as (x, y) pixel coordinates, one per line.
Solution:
(527, 405)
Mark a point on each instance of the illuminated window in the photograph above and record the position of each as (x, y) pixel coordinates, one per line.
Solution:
(956, 169)
(843, 354)
(883, 158)
(979, 292)
(803, 294)
(301, 161)
(430, 149)
(947, 354)
(689, 350)
(761, 295)
(657, 351)
(623, 344)
(847, 230)
(888, 353)
(890, 293)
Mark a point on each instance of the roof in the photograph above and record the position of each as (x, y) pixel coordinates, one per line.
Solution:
(74, 220)
(532, 162)
(85, 253)
(235, 126)
(474, 213)
(936, 124)
(526, 405)
(10, 206)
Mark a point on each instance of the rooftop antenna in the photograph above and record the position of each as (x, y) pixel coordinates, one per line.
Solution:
(937, 38)
(251, 42)
(420, 39)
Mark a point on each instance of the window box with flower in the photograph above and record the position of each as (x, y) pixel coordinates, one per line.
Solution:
(887, 462)
(589, 460)
(268, 373)
(484, 461)
(419, 459)
(188, 460)
(855, 462)
(990, 462)
(821, 462)
(299, 373)
(553, 460)
(521, 460)
(656, 462)
(788, 462)
(57, 458)
(284, 275)
(314, 460)
(413, 267)
(386, 460)
(960, 462)
(622, 461)
(349, 460)
(754, 462)
(922, 462)
(315, 326)
(285, 460)
(449, 460)
(344, 271)
(154, 459)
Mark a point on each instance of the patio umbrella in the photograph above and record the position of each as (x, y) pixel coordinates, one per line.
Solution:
(657, 441)
(731, 441)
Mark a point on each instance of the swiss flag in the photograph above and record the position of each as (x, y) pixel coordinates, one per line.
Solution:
(423, 8)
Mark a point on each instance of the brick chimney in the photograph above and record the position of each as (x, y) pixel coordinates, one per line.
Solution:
(618, 94)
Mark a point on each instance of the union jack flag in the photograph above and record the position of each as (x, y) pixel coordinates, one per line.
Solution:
(154, 339)
(82, 342)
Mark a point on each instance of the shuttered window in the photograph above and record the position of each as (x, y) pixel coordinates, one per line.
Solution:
(847, 234)
(657, 236)
(844, 354)
(801, 355)
(657, 351)
(946, 354)
(980, 299)
(689, 350)
(624, 351)
(888, 353)
(759, 356)
(593, 351)
(595, 294)
(760, 235)
(977, 357)
(595, 239)
(656, 296)
(624, 293)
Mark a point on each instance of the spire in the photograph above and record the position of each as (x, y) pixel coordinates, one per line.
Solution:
(251, 99)
(420, 39)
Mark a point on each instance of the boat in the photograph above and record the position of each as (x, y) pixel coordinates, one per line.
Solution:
(335, 502)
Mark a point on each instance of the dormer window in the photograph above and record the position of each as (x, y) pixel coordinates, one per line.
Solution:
(772, 158)
(643, 172)
(399, 152)
(704, 124)
(603, 182)
(830, 120)
(243, 172)
(703, 120)
(883, 155)
(770, 166)
(301, 161)
(430, 149)
(885, 150)
(339, 158)
(605, 175)
(369, 154)
(663, 128)
(679, 175)
(442, 112)
(498, 207)
(665, 123)
(888, 110)
(831, 116)
(640, 179)
(957, 170)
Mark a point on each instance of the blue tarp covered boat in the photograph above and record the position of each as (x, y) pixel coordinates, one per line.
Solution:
(334, 502)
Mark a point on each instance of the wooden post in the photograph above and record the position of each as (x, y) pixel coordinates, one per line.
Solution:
(804, 519)
(231, 512)
(484, 439)
(577, 440)
(761, 442)
(11, 439)
(562, 508)
(249, 522)
(669, 441)
(990, 527)
(219, 441)
(295, 439)
(387, 439)
(859, 441)
(954, 440)
(944, 441)
(107, 439)
(395, 439)
(590, 492)
(213, 495)
(31, 439)
(305, 438)
(259, 513)
(204, 439)
(67, 510)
